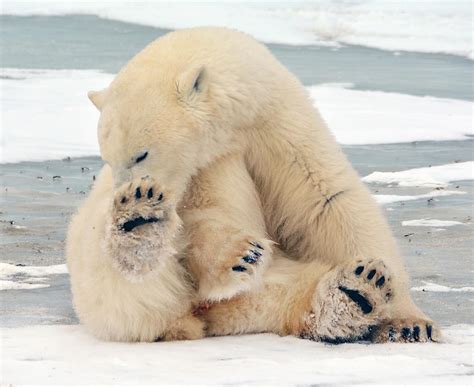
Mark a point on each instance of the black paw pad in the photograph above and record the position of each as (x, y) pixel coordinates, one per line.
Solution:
(416, 333)
(239, 268)
(160, 197)
(371, 274)
(429, 331)
(380, 282)
(138, 193)
(392, 334)
(406, 333)
(131, 224)
(123, 200)
(358, 298)
(359, 270)
(149, 194)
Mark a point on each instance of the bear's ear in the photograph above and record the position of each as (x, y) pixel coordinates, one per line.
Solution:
(97, 98)
(192, 83)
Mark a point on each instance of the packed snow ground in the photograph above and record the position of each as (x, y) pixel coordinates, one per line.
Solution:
(422, 26)
(64, 354)
(55, 104)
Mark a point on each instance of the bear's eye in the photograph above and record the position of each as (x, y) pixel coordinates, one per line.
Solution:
(141, 157)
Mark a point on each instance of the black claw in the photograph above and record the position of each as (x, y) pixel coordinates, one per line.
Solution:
(123, 200)
(359, 270)
(359, 299)
(406, 333)
(149, 194)
(160, 197)
(138, 193)
(380, 282)
(239, 268)
(256, 253)
(371, 274)
(416, 333)
(257, 245)
(429, 331)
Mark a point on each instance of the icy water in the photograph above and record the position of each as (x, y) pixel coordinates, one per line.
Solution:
(38, 198)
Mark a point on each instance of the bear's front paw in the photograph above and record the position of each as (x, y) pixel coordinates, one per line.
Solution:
(143, 227)
(238, 268)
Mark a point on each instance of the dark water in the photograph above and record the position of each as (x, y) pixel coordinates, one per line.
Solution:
(89, 42)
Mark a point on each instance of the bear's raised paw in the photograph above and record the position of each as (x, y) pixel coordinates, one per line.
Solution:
(142, 229)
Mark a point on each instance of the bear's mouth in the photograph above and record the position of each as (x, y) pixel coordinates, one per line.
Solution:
(140, 221)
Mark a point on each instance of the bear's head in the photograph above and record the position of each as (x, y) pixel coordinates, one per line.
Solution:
(179, 105)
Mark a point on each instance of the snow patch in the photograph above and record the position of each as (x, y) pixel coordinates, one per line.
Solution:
(430, 223)
(387, 199)
(441, 27)
(57, 354)
(432, 287)
(375, 117)
(27, 277)
(438, 176)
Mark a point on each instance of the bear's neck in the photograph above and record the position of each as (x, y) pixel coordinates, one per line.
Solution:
(297, 167)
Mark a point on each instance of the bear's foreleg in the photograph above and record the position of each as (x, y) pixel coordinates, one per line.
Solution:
(158, 306)
(228, 247)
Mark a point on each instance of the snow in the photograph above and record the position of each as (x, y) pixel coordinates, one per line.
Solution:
(46, 115)
(375, 117)
(64, 354)
(430, 223)
(432, 287)
(437, 26)
(11, 285)
(387, 199)
(27, 277)
(436, 176)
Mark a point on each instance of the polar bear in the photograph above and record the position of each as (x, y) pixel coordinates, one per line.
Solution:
(214, 151)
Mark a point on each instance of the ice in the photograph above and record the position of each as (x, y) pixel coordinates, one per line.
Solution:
(46, 115)
(436, 176)
(374, 117)
(61, 354)
(430, 223)
(387, 199)
(441, 27)
(13, 285)
(432, 287)
(27, 277)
